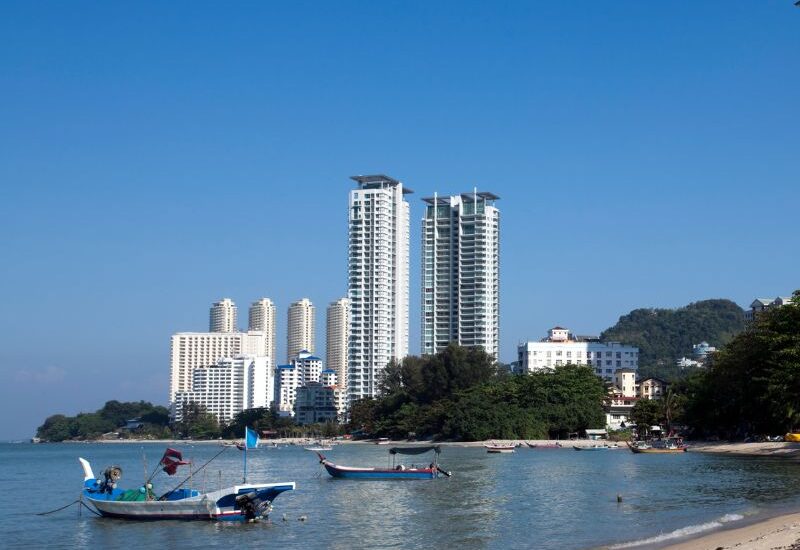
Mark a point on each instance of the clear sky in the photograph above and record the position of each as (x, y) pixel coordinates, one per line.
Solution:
(156, 157)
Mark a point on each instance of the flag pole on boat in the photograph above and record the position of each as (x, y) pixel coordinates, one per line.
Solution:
(250, 442)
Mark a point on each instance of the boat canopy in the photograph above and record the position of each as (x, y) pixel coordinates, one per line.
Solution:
(415, 450)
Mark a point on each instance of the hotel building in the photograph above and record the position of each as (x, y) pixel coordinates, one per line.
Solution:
(562, 348)
(228, 387)
(378, 280)
(460, 272)
(192, 350)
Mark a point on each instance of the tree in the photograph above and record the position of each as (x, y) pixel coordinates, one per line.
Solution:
(197, 422)
(646, 413)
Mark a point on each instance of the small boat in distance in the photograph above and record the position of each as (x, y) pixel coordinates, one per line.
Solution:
(555, 445)
(497, 448)
(394, 471)
(382, 441)
(659, 446)
(318, 446)
(591, 448)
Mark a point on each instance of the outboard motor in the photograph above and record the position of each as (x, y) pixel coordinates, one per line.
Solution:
(253, 507)
(111, 475)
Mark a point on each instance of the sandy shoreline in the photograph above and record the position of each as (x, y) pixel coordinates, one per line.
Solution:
(781, 532)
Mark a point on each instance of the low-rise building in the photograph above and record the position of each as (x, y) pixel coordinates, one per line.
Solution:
(316, 403)
(651, 388)
(760, 305)
(562, 348)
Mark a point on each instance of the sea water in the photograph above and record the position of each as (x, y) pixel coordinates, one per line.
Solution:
(554, 498)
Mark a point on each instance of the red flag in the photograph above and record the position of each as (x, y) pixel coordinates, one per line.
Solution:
(171, 460)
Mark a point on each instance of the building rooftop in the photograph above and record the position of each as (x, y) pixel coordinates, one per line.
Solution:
(376, 181)
(445, 200)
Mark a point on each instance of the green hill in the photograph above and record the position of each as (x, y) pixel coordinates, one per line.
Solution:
(665, 335)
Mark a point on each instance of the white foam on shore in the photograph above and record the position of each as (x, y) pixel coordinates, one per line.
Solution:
(682, 532)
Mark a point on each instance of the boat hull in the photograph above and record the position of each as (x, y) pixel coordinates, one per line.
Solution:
(346, 472)
(216, 506)
(651, 450)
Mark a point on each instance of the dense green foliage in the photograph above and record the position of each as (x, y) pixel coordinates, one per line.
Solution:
(458, 394)
(665, 335)
(752, 385)
(110, 418)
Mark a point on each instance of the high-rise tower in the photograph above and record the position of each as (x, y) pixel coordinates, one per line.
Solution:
(377, 280)
(460, 272)
(338, 334)
(300, 328)
(262, 318)
(222, 317)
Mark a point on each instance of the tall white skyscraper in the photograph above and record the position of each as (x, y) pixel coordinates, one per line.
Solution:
(223, 316)
(300, 328)
(337, 336)
(377, 280)
(262, 318)
(460, 272)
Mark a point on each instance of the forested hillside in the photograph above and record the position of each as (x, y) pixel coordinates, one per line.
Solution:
(665, 335)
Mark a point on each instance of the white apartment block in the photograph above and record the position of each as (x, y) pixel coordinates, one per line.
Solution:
(337, 336)
(192, 350)
(261, 317)
(560, 348)
(461, 272)
(222, 317)
(378, 280)
(228, 387)
(300, 330)
(303, 369)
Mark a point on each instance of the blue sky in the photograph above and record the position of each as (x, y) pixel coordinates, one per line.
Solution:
(159, 156)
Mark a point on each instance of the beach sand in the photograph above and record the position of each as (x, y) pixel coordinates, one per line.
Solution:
(782, 532)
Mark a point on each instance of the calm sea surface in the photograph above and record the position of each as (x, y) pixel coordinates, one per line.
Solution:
(530, 499)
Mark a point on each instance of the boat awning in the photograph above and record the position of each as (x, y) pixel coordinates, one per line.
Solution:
(415, 450)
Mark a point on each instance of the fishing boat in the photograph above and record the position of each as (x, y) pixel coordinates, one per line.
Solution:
(242, 502)
(495, 448)
(382, 441)
(394, 470)
(318, 446)
(546, 446)
(591, 448)
(663, 446)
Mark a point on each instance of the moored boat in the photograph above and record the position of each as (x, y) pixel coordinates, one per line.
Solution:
(248, 501)
(591, 448)
(663, 446)
(496, 448)
(394, 471)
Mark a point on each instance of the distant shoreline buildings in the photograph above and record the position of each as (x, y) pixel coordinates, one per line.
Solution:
(561, 347)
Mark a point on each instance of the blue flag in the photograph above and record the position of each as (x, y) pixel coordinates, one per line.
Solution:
(250, 438)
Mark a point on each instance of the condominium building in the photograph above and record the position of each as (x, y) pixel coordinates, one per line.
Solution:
(378, 280)
(262, 318)
(222, 317)
(228, 387)
(460, 272)
(562, 348)
(337, 336)
(192, 350)
(300, 328)
(303, 369)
